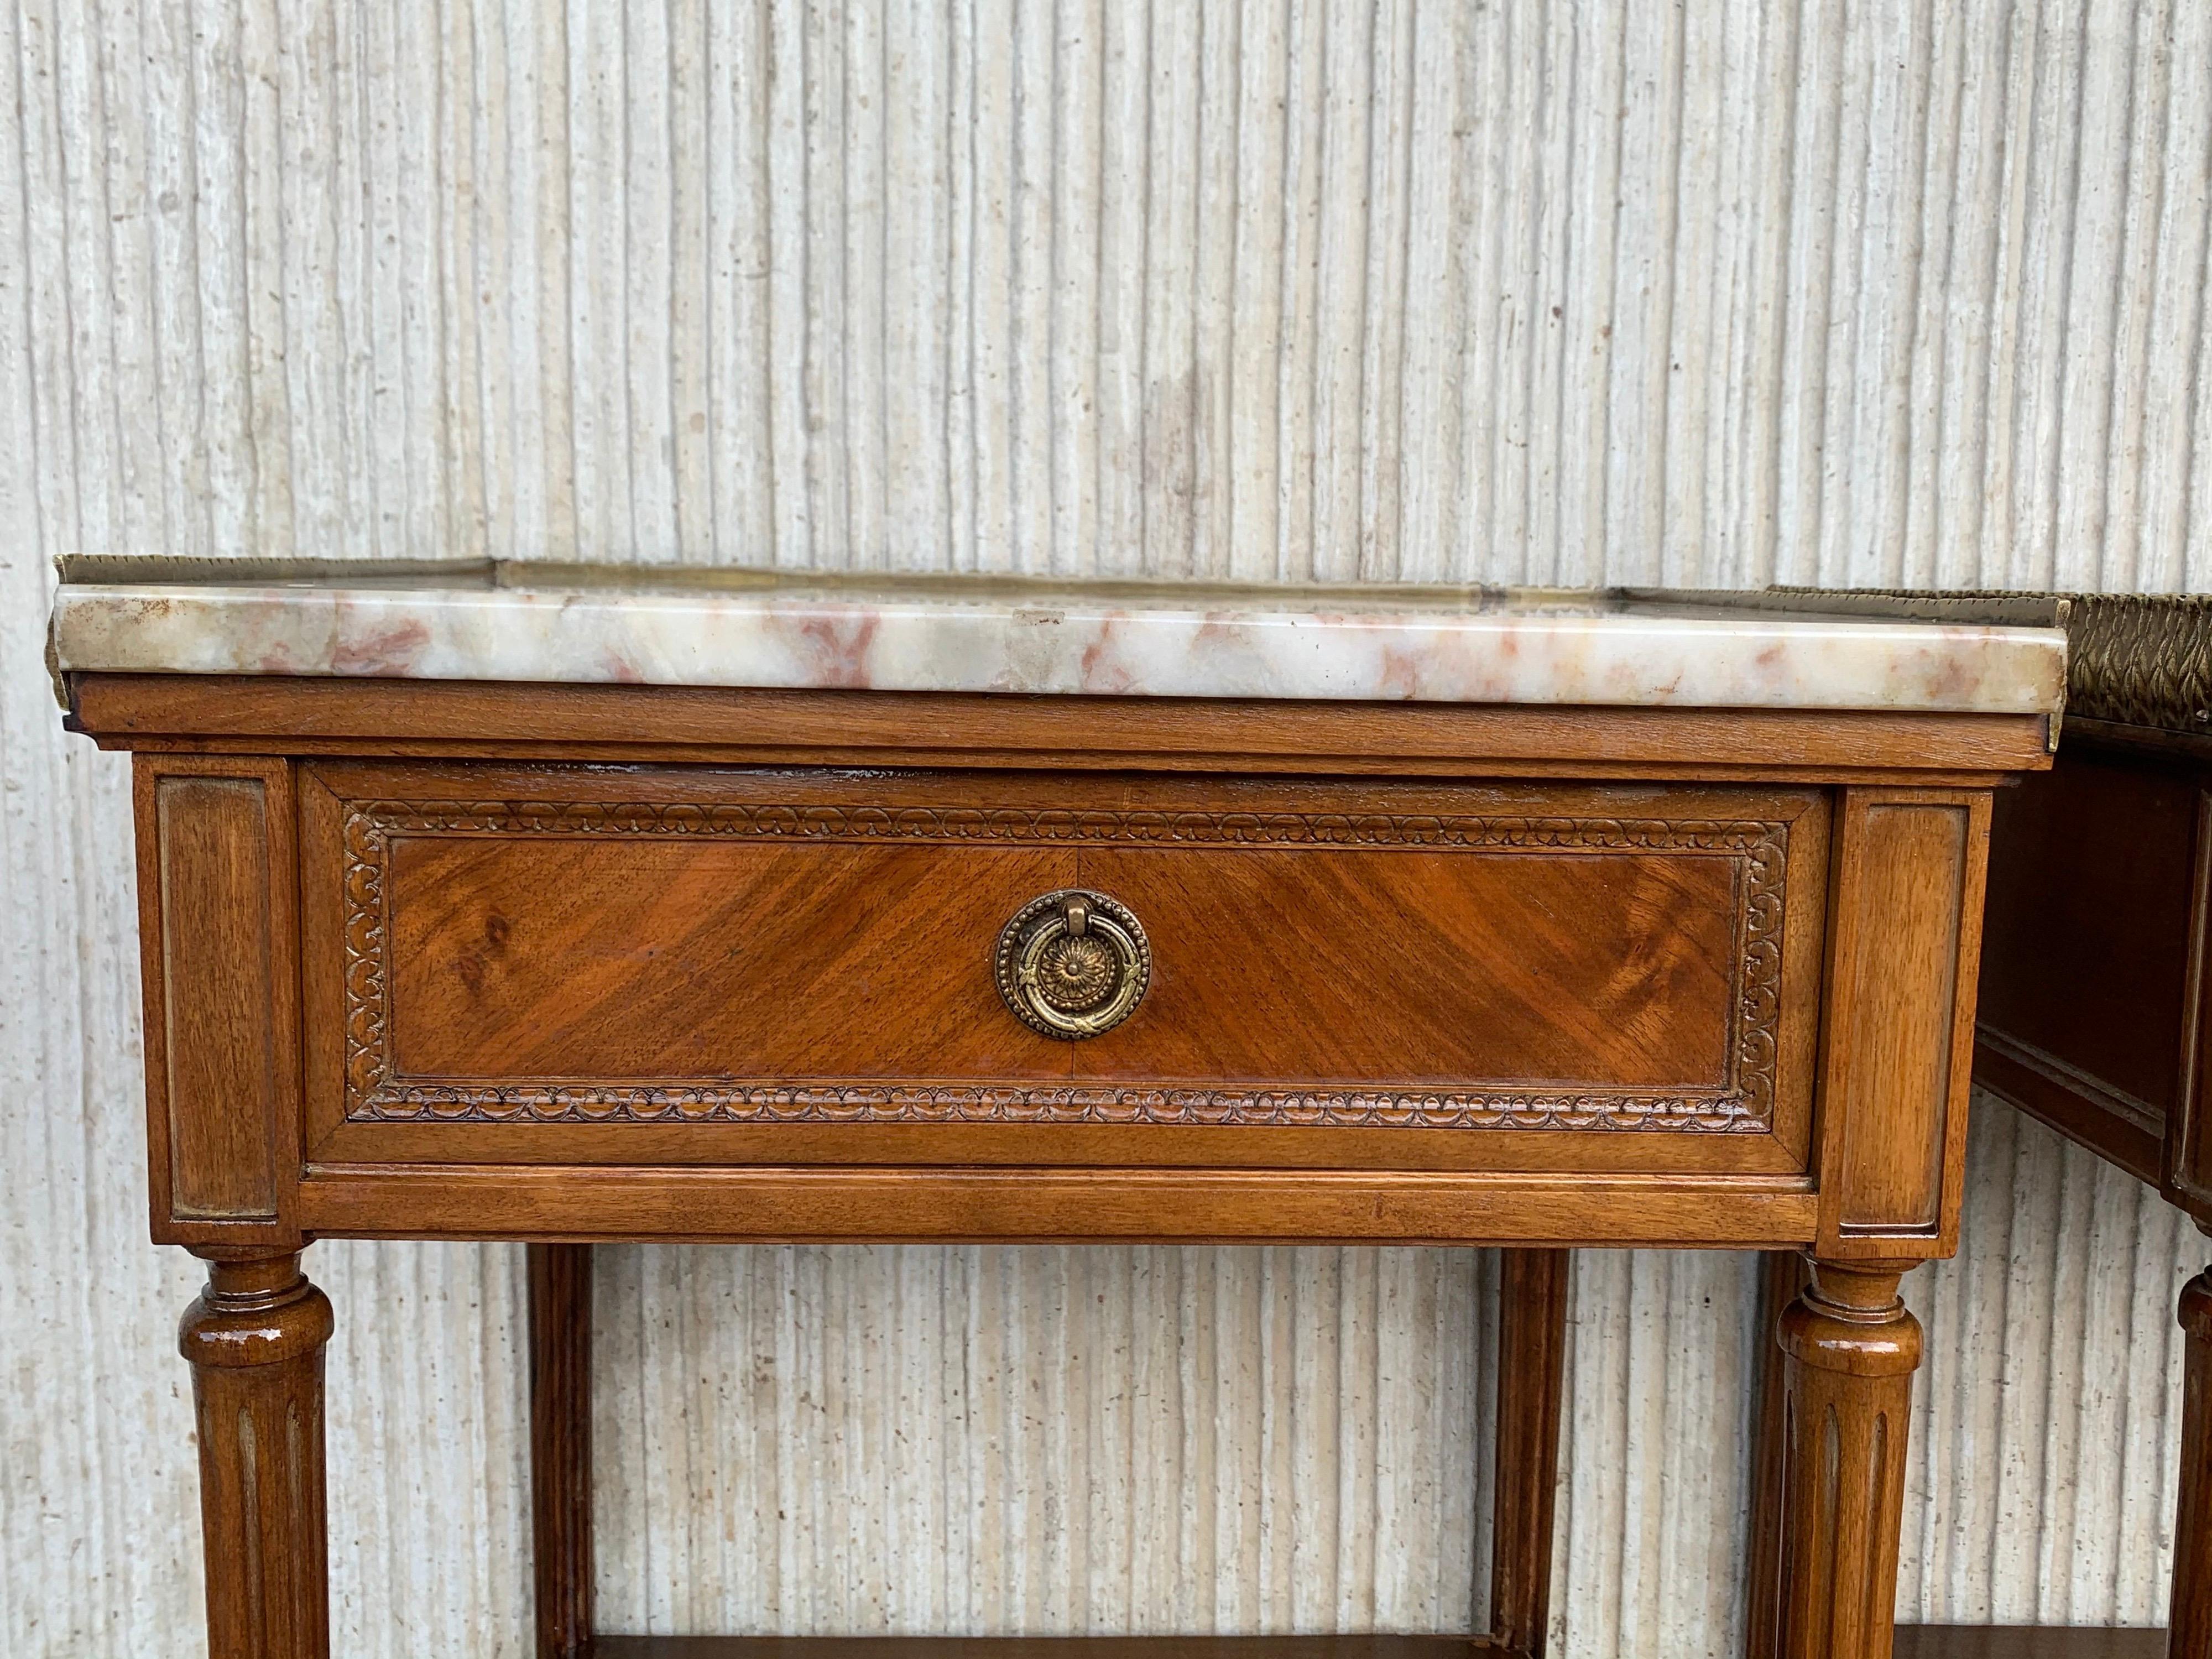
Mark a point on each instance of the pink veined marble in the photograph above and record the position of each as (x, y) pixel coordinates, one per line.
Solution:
(1472, 646)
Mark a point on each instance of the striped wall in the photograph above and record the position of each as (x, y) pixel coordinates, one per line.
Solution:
(1714, 292)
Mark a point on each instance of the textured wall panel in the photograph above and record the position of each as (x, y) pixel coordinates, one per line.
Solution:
(920, 1440)
(1704, 293)
(2048, 1415)
(1716, 291)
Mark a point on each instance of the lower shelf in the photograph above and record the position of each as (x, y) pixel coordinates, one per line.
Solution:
(2025, 1642)
(1913, 1642)
(1046, 1647)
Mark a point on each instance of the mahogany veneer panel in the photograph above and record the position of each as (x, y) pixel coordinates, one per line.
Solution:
(567, 964)
(1591, 971)
(518, 959)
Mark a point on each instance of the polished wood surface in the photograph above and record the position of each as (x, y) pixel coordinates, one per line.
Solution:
(219, 973)
(1849, 1349)
(1532, 1356)
(2027, 1641)
(254, 1339)
(562, 1558)
(1904, 944)
(515, 961)
(1694, 978)
(2094, 862)
(1912, 1641)
(1495, 971)
(492, 721)
(2094, 1018)
(1046, 1647)
(795, 1205)
(653, 940)
(1785, 1275)
(565, 965)
(2189, 1618)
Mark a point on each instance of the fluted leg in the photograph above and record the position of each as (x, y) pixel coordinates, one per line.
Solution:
(1531, 1347)
(1849, 1351)
(255, 1341)
(2189, 1630)
(561, 1446)
(1783, 1276)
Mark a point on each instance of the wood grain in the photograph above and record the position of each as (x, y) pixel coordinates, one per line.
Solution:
(1784, 1277)
(724, 949)
(1849, 1351)
(546, 723)
(2092, 1018)
(2191, 1619)
(1531, 1375)
(2119, 1128)
(1912, 1641)
(559, 1316)
(255, 1339)
(805, 1205)
(1046, 1647)
(517, 948)
(2094, 862)
(1903, 949)
(1516, 970)
(2188, 1152)
(649, 960)
(516, 960)
(2027, 1641)
(219, 951)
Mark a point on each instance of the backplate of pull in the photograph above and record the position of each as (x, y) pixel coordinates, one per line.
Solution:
(1073, 963)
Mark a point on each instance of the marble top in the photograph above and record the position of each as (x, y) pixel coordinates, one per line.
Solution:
(524, 623)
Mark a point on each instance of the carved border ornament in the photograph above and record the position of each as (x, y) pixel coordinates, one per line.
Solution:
(2140, 661)
(374, 1091)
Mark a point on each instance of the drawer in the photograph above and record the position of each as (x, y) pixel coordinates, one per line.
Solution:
(699, 965)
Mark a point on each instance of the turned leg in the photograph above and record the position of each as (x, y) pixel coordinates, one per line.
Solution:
(1532, 1342)
(2190, 1627)
(1849, 1349)
(255, 1341)
(561, 1446)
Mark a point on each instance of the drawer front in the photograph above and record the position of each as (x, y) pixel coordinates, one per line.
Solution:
(583, 964)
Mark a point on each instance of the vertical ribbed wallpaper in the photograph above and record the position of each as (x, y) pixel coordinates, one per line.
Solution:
(1723, 291)
(1717, 292)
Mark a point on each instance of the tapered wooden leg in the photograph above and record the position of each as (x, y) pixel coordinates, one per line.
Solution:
(1531, 1343)
(2189, 1629)
(1783, 1276)
(1849, 1349)
(561, 1446)
(255, 1341)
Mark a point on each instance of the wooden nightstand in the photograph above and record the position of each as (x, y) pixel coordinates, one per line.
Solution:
(2094, 966)
(1425, 945)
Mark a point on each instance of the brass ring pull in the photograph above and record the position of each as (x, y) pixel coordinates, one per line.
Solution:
(1073, 963)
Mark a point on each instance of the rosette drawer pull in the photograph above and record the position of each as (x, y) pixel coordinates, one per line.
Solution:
(1073, 963)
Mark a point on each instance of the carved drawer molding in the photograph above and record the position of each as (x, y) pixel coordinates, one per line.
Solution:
(376, 1091)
